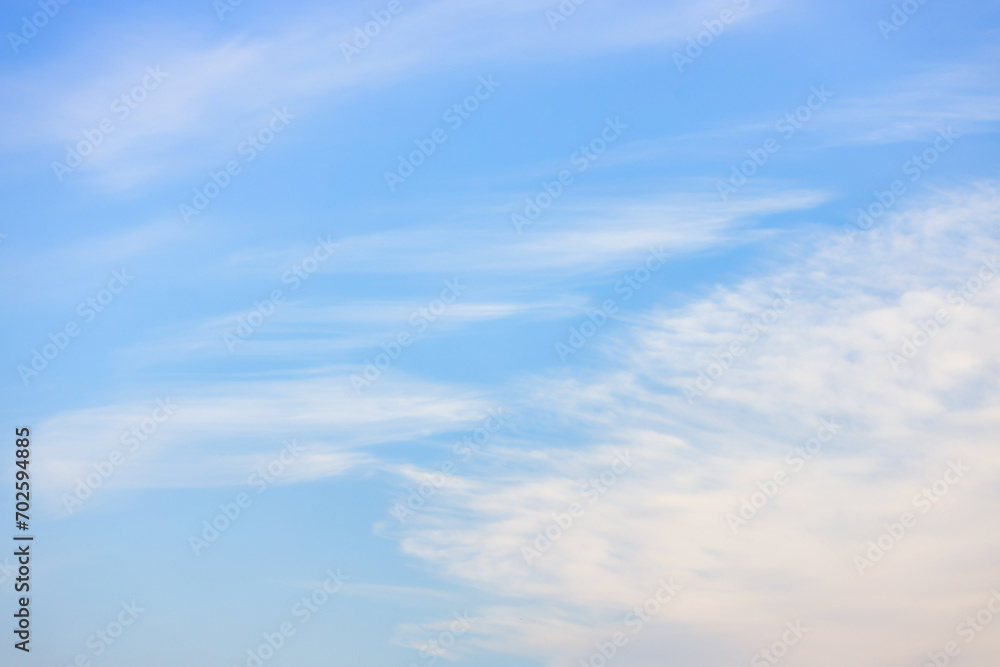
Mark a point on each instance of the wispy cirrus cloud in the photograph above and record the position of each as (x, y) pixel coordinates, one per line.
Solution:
(215, 93)
(219, 433)
(962, 94)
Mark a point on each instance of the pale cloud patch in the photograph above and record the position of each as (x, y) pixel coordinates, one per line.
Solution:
(826, 358)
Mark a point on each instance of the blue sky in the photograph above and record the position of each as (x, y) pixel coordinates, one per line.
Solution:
(616, 275)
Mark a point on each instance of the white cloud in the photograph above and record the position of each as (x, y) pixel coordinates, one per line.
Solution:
(217, 93)
(826, 357)
(87, 259)
(220, 433)
(580, 236)
(962, 94)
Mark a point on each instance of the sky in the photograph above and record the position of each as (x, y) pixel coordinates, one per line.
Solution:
(503, 332)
